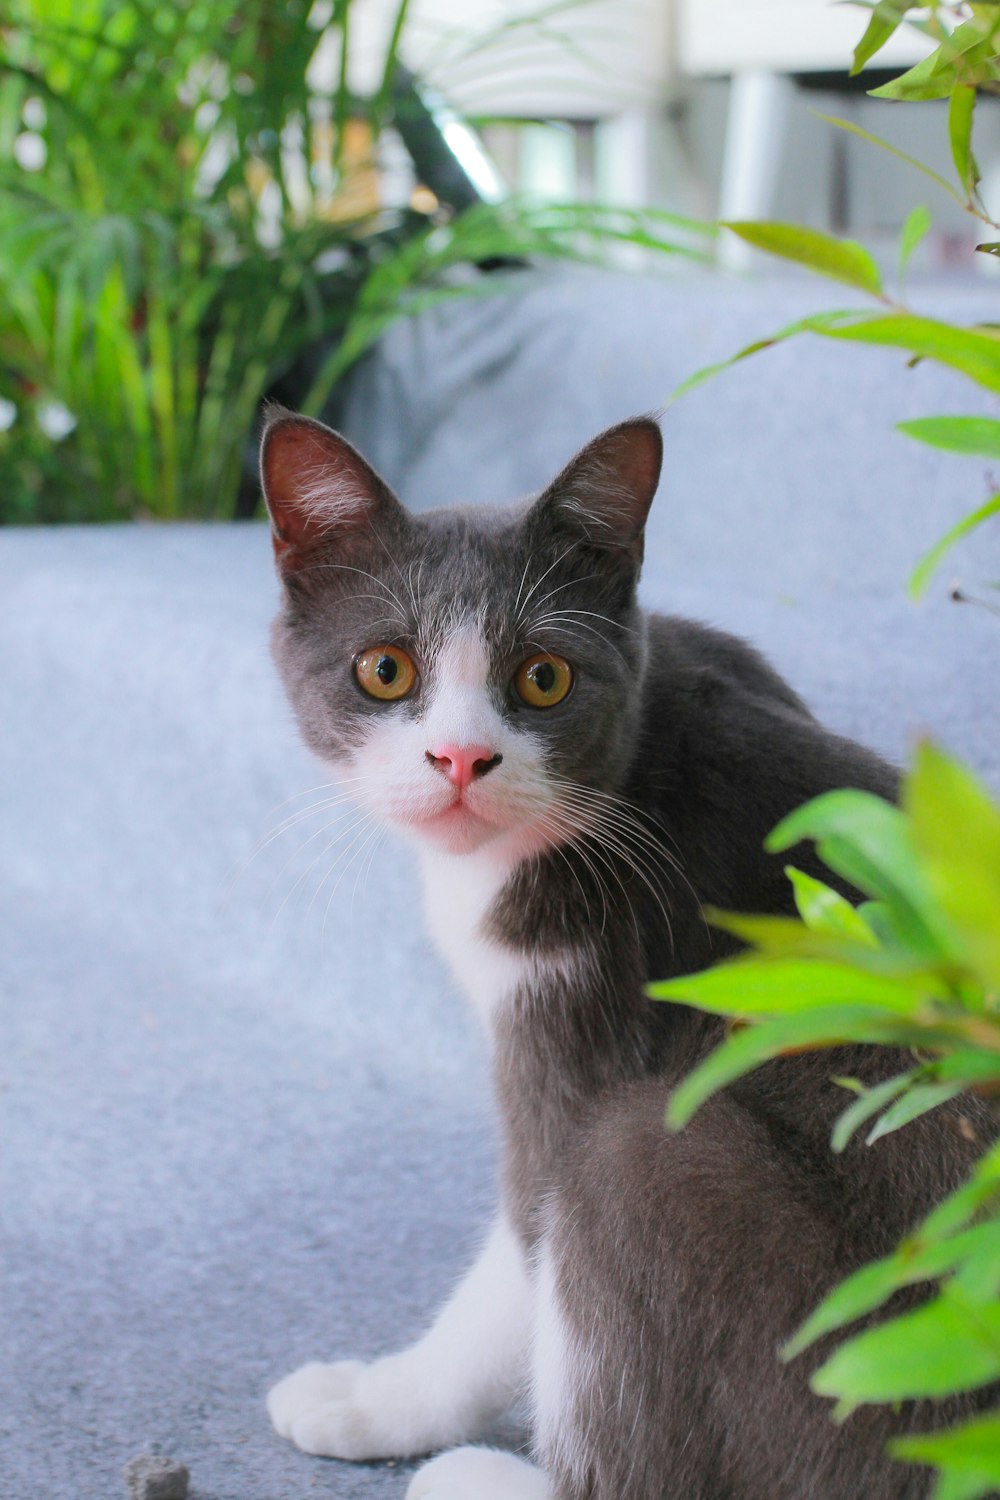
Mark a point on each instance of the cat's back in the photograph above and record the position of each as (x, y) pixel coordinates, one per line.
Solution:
(727, 748)
(698, 676)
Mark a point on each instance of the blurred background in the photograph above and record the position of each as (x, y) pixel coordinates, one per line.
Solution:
(206, 203)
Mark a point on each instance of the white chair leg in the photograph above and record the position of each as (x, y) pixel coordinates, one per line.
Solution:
(759, 104)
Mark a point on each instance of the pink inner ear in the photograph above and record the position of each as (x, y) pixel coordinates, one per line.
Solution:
(610, 485)
(314, 482)
(635, 453)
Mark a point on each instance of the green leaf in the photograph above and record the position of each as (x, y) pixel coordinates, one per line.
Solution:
(886, 19)
(745, 1049)
(940, 1243)
(940, 1348)
(972, 1447)
(964, 57)
(801, 325)
(869, 1102)
(380, 104)
(864, 839)
(956, 830)
(965, 1202)
(823, 909)
(787, 938)
(928, 564)
(839, 260)
(954, 1485)
(884, 145)
(759, 986)
(917, 224)
(991, 247)
(878, 917)
(974, 352)
(967, 1067)
(977, 1278)
(960, 112)
(918, 1101)
(972, 435)
(868, 1288)
(924, 81)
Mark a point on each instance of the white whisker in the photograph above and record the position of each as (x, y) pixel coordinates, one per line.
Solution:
(520, 588)
(539, 581)
(612, 824)
(596, 615)
(379, 583)
(324, 805)
(561, 827)
(373, 843)
(344, 832)
(355, 852)
(551, 623)
(560, 586)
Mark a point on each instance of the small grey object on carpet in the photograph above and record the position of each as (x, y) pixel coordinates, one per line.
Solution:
(152, 1476)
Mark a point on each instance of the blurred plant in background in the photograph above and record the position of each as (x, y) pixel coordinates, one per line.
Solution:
(191, 218)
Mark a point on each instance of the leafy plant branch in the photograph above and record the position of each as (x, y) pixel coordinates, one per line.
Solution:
(916, 967)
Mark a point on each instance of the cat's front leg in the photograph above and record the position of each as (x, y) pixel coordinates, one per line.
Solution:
(444, 1389)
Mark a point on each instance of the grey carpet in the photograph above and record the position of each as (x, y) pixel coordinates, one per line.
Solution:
(236, 1131)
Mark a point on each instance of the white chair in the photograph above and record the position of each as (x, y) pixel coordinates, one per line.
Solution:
(599, 66)
(761, 45)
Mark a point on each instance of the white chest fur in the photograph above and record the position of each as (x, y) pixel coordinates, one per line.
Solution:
(458, 893)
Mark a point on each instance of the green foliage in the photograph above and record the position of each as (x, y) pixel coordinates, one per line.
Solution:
(966, 1456)
(916, 228)
(980, 435)
(917, 967)
(197, 220)
(413, 274)
(840, 260)
(965, 63)
(887, 16)
(965, 58)
(135, 290)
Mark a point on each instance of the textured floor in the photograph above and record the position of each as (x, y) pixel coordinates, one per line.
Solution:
(237, 1130)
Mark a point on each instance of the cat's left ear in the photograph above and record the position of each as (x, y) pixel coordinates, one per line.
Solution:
(317, 487)
(605, 491)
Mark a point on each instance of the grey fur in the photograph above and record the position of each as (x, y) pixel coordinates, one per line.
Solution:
(681, 1263)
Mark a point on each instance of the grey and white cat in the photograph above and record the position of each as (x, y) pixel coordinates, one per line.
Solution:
(579, 779)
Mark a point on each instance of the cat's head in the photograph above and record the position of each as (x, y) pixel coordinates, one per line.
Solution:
(473, 674)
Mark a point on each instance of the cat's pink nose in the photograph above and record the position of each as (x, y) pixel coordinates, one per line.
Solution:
(463, 763)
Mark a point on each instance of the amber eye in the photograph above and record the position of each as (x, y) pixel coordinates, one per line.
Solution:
(543, 680)
(385, 672)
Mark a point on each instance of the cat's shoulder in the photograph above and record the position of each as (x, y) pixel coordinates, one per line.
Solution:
(703, 666)
(722, 726)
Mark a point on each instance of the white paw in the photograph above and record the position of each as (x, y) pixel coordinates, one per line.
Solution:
(479, 1474)
(317, 1408)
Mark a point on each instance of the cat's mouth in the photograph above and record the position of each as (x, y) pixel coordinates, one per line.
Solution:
(456, 813)
(459, 826)
(458, 808)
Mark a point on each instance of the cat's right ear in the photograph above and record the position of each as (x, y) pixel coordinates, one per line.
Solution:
(317, 487)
